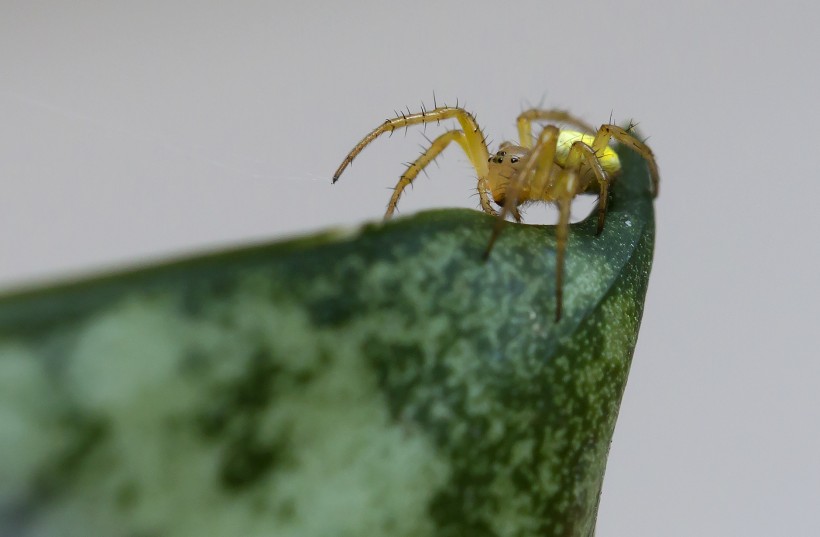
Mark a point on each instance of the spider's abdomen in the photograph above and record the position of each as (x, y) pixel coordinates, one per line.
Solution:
(608, 158)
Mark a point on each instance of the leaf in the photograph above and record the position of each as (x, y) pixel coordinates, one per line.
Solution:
(378, 382)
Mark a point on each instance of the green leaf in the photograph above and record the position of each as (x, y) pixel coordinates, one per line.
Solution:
(382, 382)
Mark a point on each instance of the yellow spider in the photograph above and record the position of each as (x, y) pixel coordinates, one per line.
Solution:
(558, 166)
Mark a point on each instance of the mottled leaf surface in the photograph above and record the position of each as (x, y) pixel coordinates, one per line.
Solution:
(382, 382)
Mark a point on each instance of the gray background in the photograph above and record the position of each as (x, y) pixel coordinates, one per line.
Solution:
(133, 132)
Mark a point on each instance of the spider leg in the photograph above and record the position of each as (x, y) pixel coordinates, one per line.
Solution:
(475, 146)
(580, 150)
(516, 214)
(567, 187)
(483, 189)
(536, 170)
(607, 132)
(526, 118)
(436, 147)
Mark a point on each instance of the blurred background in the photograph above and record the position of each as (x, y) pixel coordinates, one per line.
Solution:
(134, 132)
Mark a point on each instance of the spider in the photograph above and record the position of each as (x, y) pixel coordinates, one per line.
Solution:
(556, 167)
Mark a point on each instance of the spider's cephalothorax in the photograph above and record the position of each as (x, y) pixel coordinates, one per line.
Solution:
(503, 166)
(556, 167)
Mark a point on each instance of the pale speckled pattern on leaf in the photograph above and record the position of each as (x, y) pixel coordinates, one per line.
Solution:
(387, 383)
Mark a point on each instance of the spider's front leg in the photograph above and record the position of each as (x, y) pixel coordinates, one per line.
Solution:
(473, 143)
(566, 187)
(535, 173)
(436, 147)
(562, 188)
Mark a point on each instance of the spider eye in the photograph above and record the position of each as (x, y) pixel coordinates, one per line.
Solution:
(513, 159)
(501, 153)
(490, 159)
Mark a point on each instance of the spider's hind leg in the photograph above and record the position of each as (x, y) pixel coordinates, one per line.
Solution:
(607, 132)
(526, 118)
(581, 150)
